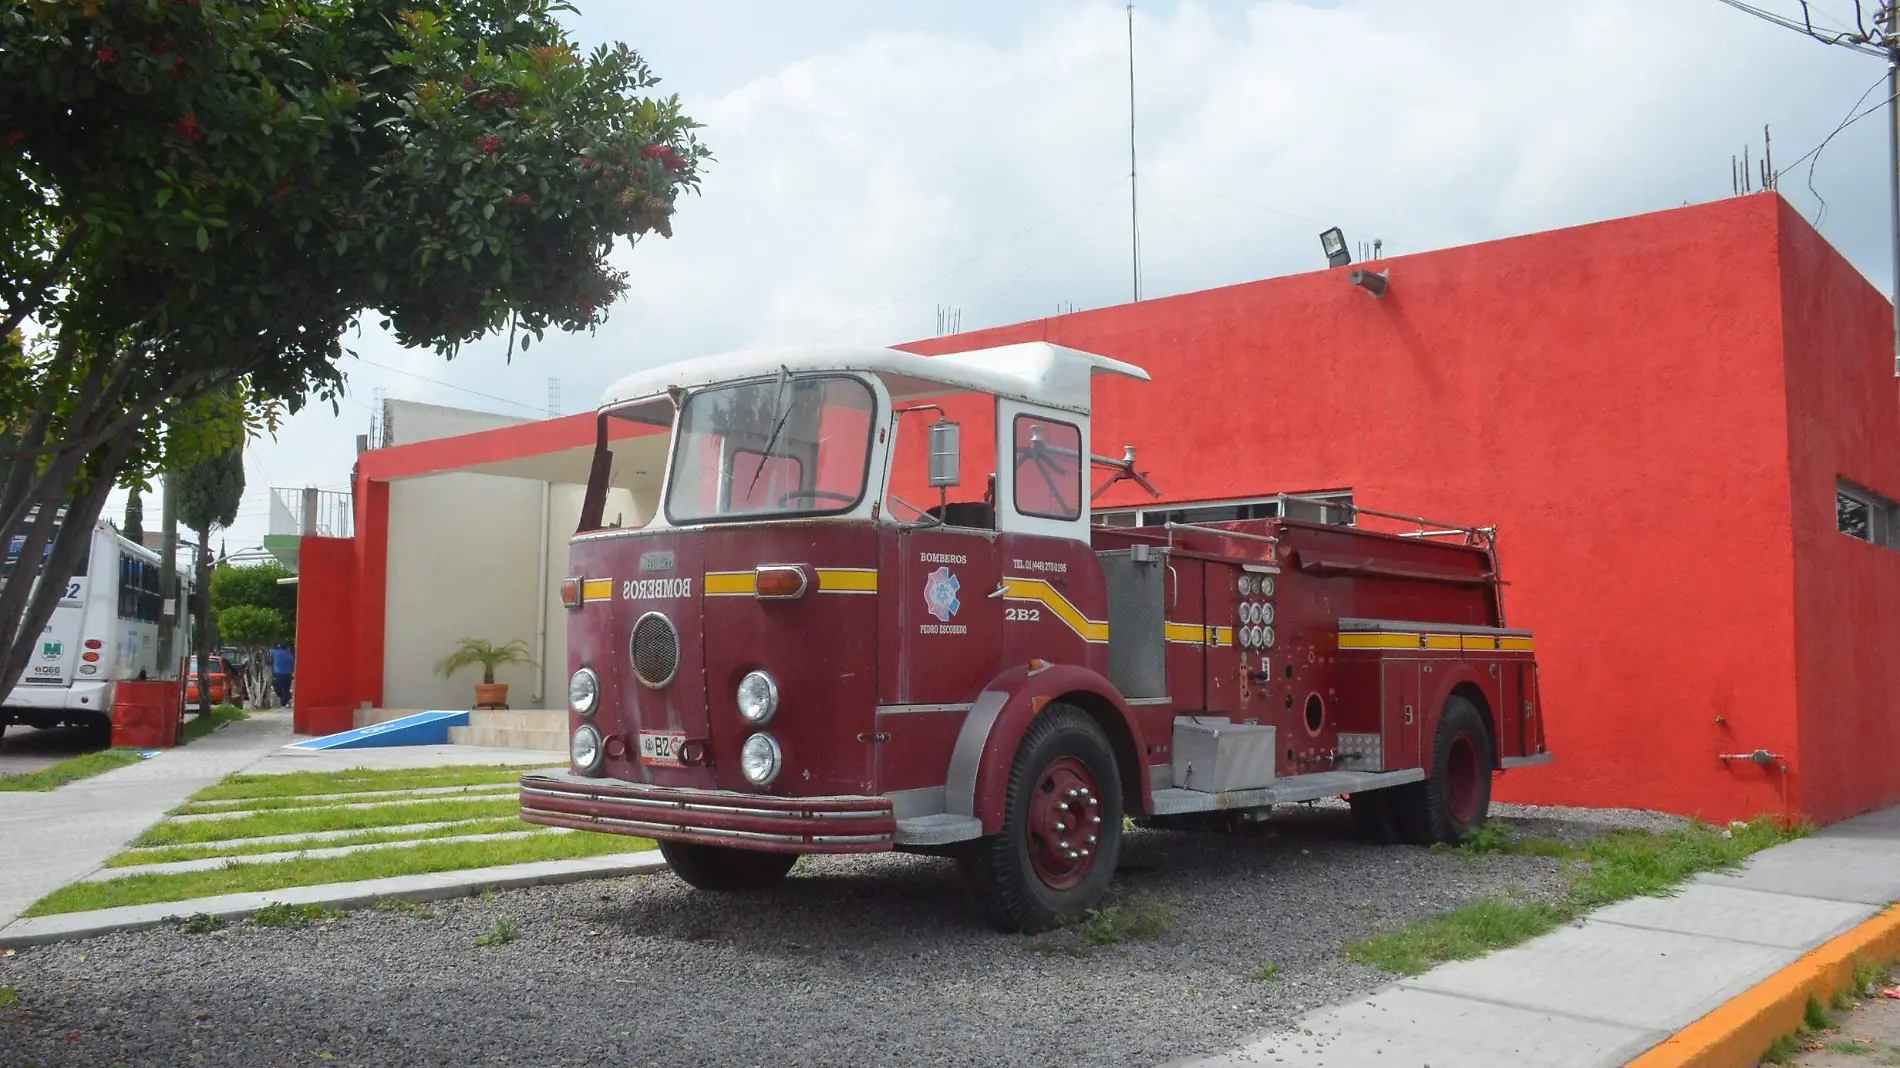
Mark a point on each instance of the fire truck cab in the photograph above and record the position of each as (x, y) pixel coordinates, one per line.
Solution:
(864, 608)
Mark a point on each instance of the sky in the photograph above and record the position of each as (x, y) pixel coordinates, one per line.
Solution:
(877, 161)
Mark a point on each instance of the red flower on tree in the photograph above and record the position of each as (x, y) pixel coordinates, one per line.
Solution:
(187, 127)
(524, 199)
(491, 143)
(668, 158)
(108, 54)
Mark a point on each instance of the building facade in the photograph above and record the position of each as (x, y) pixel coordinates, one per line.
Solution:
(1685, 426)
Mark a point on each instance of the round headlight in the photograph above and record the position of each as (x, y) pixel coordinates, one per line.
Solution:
(1266, 637)
(757, 697)
(582, 691)
(1266, 585)
(759, 759)
(1266, 613)
(584, 748)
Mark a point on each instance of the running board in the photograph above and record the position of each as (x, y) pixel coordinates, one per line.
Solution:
(938, 829)
(1320, 784)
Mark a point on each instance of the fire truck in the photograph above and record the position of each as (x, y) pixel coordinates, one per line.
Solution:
(805, 630)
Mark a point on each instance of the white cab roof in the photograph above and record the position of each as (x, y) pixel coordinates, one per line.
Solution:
(1035, 372)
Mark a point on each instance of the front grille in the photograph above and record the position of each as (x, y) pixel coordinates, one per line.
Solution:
(656, 650)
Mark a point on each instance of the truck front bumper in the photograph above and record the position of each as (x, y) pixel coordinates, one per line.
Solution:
(710, 817)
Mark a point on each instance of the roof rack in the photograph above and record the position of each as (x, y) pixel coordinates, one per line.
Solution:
(1427, 528)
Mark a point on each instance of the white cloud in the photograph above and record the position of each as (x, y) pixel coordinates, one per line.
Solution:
(877, 172)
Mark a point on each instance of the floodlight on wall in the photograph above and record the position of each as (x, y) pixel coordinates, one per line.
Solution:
(1334, 242)
(1373, 282)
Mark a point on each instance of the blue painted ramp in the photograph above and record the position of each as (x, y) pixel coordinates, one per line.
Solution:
(422, 728)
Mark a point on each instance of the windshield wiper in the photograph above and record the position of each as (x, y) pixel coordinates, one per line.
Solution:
(778, 399)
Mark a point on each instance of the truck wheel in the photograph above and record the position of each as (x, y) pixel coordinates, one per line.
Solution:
(725, 869)
(1062, 826)
(1458, 795)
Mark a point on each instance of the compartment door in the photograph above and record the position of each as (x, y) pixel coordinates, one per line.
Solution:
(1402, 716)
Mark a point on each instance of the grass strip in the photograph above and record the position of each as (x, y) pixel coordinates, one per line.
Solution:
(169, 854)
(267, 824)
(200, 725)
(80, 767)
(272, 804)
(358, 780)
(374, 864)
(1612, 867)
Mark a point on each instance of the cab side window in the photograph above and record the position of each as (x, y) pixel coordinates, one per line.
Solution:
(1048, 459)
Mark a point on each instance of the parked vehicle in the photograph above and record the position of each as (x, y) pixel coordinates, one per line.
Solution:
(104, 630)
(792, 657)
(219, 676)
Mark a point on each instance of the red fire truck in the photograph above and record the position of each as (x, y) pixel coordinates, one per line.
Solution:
(796, 627)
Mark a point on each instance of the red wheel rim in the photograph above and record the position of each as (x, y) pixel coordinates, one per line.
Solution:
(1065, 824)
(1461, 779)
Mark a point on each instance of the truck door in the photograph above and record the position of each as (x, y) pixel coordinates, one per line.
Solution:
(949, 626)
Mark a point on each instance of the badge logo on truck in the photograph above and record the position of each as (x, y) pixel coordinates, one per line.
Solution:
(940, 594)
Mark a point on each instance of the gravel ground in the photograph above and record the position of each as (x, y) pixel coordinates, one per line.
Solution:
(866, 961)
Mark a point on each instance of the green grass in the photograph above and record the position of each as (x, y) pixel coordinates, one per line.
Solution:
(79, 767)
(407, 908)
(1858, 1049)
(8, 997)
(375, 864)
(1611, 867)
(200, 725)
(505, 931)
(169, 854)
(1269, 973)
(278, 914)
(325, 819)
(359, 780)
(273, 804)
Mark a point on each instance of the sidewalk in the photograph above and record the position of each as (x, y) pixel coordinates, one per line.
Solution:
(54, 838)
(1601, 992)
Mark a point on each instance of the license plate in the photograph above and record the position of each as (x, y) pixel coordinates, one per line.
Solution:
(661, 748)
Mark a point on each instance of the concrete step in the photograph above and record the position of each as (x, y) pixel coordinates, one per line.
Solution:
(553, 741)
(524, 719)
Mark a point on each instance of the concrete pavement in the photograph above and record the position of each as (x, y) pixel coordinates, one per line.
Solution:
(1601, 992)
(54, 838)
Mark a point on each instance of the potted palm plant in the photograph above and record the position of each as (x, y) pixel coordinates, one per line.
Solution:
(472, 651)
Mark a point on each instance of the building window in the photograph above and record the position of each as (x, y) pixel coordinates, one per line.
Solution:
(1861, 513)
(1320, 507)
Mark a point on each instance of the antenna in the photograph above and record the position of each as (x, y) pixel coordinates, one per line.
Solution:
(378, 423)
(1134, 200)
(949, 320)
(554, 397)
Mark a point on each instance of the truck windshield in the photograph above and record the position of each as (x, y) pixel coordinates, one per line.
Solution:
(794, 445)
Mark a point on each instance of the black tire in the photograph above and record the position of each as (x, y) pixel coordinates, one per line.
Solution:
(1457, 797)
(96, 730)
(1024, 894)
(724, 869)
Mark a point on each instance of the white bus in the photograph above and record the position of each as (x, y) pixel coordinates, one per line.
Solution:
(105, 629)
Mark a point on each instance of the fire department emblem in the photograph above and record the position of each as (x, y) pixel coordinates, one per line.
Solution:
(940, 594)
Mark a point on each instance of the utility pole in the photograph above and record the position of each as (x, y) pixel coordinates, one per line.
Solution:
(1134, 209)
(1892, 43)
(168, 572)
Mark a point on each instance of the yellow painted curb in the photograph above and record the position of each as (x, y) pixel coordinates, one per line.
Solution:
(1740, 1031)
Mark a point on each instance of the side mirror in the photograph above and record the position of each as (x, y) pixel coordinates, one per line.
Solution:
(946, 453)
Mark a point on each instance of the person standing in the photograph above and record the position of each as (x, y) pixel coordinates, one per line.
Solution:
(282, 663)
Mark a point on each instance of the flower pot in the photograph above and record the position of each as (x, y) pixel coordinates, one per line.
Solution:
(491, 695)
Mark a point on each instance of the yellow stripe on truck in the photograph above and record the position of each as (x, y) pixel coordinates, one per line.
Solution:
(731, 583)
(1027, 589)
(1472, 643)
(847, 580)
(597, 590)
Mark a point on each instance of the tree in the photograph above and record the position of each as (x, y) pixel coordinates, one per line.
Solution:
(209, 492)
(256, 611)
(135, 516)
(202, 196)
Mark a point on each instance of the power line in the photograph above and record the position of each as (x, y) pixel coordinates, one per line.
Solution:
(1860, 41)
(451, 385)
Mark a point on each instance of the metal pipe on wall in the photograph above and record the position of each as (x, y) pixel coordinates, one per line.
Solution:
(541, 607)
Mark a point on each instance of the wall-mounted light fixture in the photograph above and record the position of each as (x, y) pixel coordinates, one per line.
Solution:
(1373, 282)
(1334, 242)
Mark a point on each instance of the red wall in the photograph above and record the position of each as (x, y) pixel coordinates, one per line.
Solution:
(1610, 396)
(1844, 409)
(324, 685)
